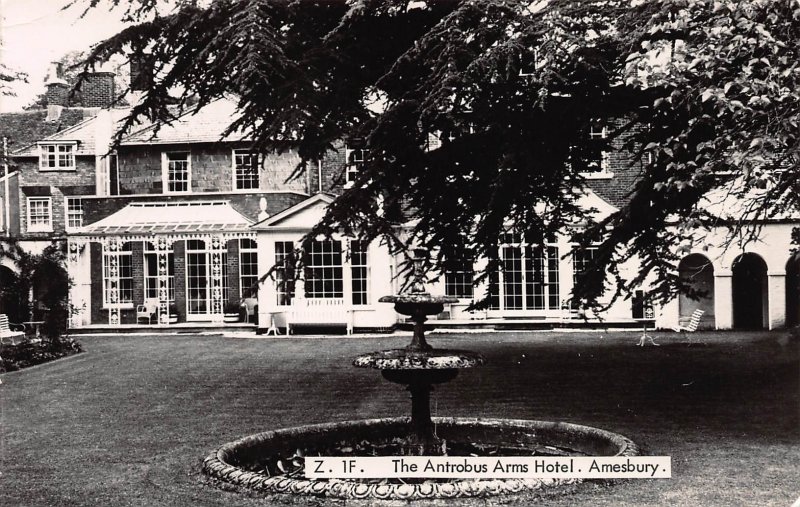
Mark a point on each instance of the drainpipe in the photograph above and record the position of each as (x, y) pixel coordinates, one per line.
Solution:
(7, 200)
(319, 175)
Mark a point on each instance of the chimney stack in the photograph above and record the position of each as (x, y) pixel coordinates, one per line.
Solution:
(141, 76)
(57, 88)
(97, 90)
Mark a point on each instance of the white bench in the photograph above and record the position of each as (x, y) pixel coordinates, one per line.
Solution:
(319, 312)
(7, 335)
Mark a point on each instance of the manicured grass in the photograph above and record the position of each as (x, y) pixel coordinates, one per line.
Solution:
(129, 421)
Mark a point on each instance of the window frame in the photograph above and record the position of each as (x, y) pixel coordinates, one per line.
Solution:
(284, 273)
(599, 130)
(165, 171)
(359, 273)
(353, 164)
(320, 262)
(150, 281)
(237, 152)
(458, 280)
(125, 252)
(31, 227)
(70, 213)
(71, 154)
(249, 250)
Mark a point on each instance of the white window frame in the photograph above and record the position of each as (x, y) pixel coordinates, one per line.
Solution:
(357, 269)
(45, 155)
(234, 180)
(352, 167)
(318, 263)
(165, 172)
(603, 173)
(150, 280)
(69, 213)
(125, 252)
(250, 250)
(40, 227)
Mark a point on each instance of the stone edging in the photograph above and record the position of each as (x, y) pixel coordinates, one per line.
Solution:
(217, 464)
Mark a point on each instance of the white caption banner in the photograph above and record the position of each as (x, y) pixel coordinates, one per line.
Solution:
(438, 467)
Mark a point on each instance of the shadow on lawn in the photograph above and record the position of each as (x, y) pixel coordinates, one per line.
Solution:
(736, 387)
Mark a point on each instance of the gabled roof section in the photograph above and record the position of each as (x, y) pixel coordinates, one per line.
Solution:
(26, 127)
(170, 217)
(203, 125)
(85, 133)
(302, 215)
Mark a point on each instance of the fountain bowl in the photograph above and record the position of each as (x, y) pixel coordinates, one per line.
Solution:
(240, 463)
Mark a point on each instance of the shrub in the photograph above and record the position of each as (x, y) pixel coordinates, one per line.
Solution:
(231, 307)
(27, 354)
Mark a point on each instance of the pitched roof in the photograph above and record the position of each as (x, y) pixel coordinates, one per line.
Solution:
(26, 127)
(85, 133)
(203, 125)
(166, 217)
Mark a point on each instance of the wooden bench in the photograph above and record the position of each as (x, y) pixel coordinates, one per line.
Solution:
(7, 335)
(319, 312)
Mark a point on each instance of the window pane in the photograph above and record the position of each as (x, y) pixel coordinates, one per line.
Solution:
(359, 272)
(324, 277)
(246, 169)
(177, 172)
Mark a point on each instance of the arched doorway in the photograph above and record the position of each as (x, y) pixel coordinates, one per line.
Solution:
(750, 297)
(793, 291)
(697, 272)
(9, 294)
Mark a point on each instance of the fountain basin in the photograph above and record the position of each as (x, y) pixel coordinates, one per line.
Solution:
(405, 359)
(246, 462)
(418, 303)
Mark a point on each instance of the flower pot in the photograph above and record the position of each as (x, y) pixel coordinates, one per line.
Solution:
(173, 319)
(230, 317)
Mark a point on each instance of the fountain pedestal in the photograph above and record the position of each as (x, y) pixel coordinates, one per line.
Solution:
(419, 371)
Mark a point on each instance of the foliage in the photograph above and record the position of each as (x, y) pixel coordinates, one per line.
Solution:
(46, 278)
(510, 87)
(30, 354)
(231, 307)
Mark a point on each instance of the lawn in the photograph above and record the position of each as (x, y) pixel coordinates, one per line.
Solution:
(129, 421)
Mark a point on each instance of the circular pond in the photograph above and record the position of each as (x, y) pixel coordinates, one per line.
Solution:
(272, 462)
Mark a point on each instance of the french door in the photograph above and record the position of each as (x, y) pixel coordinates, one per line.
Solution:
(528, 279)
(198, 280)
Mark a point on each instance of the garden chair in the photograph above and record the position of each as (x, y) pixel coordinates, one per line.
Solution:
(694, 321)
(7, 335)
(147, 310)
(249, 307)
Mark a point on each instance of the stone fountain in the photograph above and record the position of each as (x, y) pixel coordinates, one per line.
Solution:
(271, 462)
(419, 366)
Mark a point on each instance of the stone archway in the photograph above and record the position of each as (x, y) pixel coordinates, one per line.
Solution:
(697, 271)
(793, 291)
(750, 292)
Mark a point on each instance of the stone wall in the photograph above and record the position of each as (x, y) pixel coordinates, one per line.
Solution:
(140, 169)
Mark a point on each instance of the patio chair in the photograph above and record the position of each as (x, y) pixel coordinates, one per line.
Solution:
(147, 310)
(694, 321)
(249, 307)
(7, 335)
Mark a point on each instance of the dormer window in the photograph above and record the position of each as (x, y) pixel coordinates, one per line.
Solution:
(57, 156)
